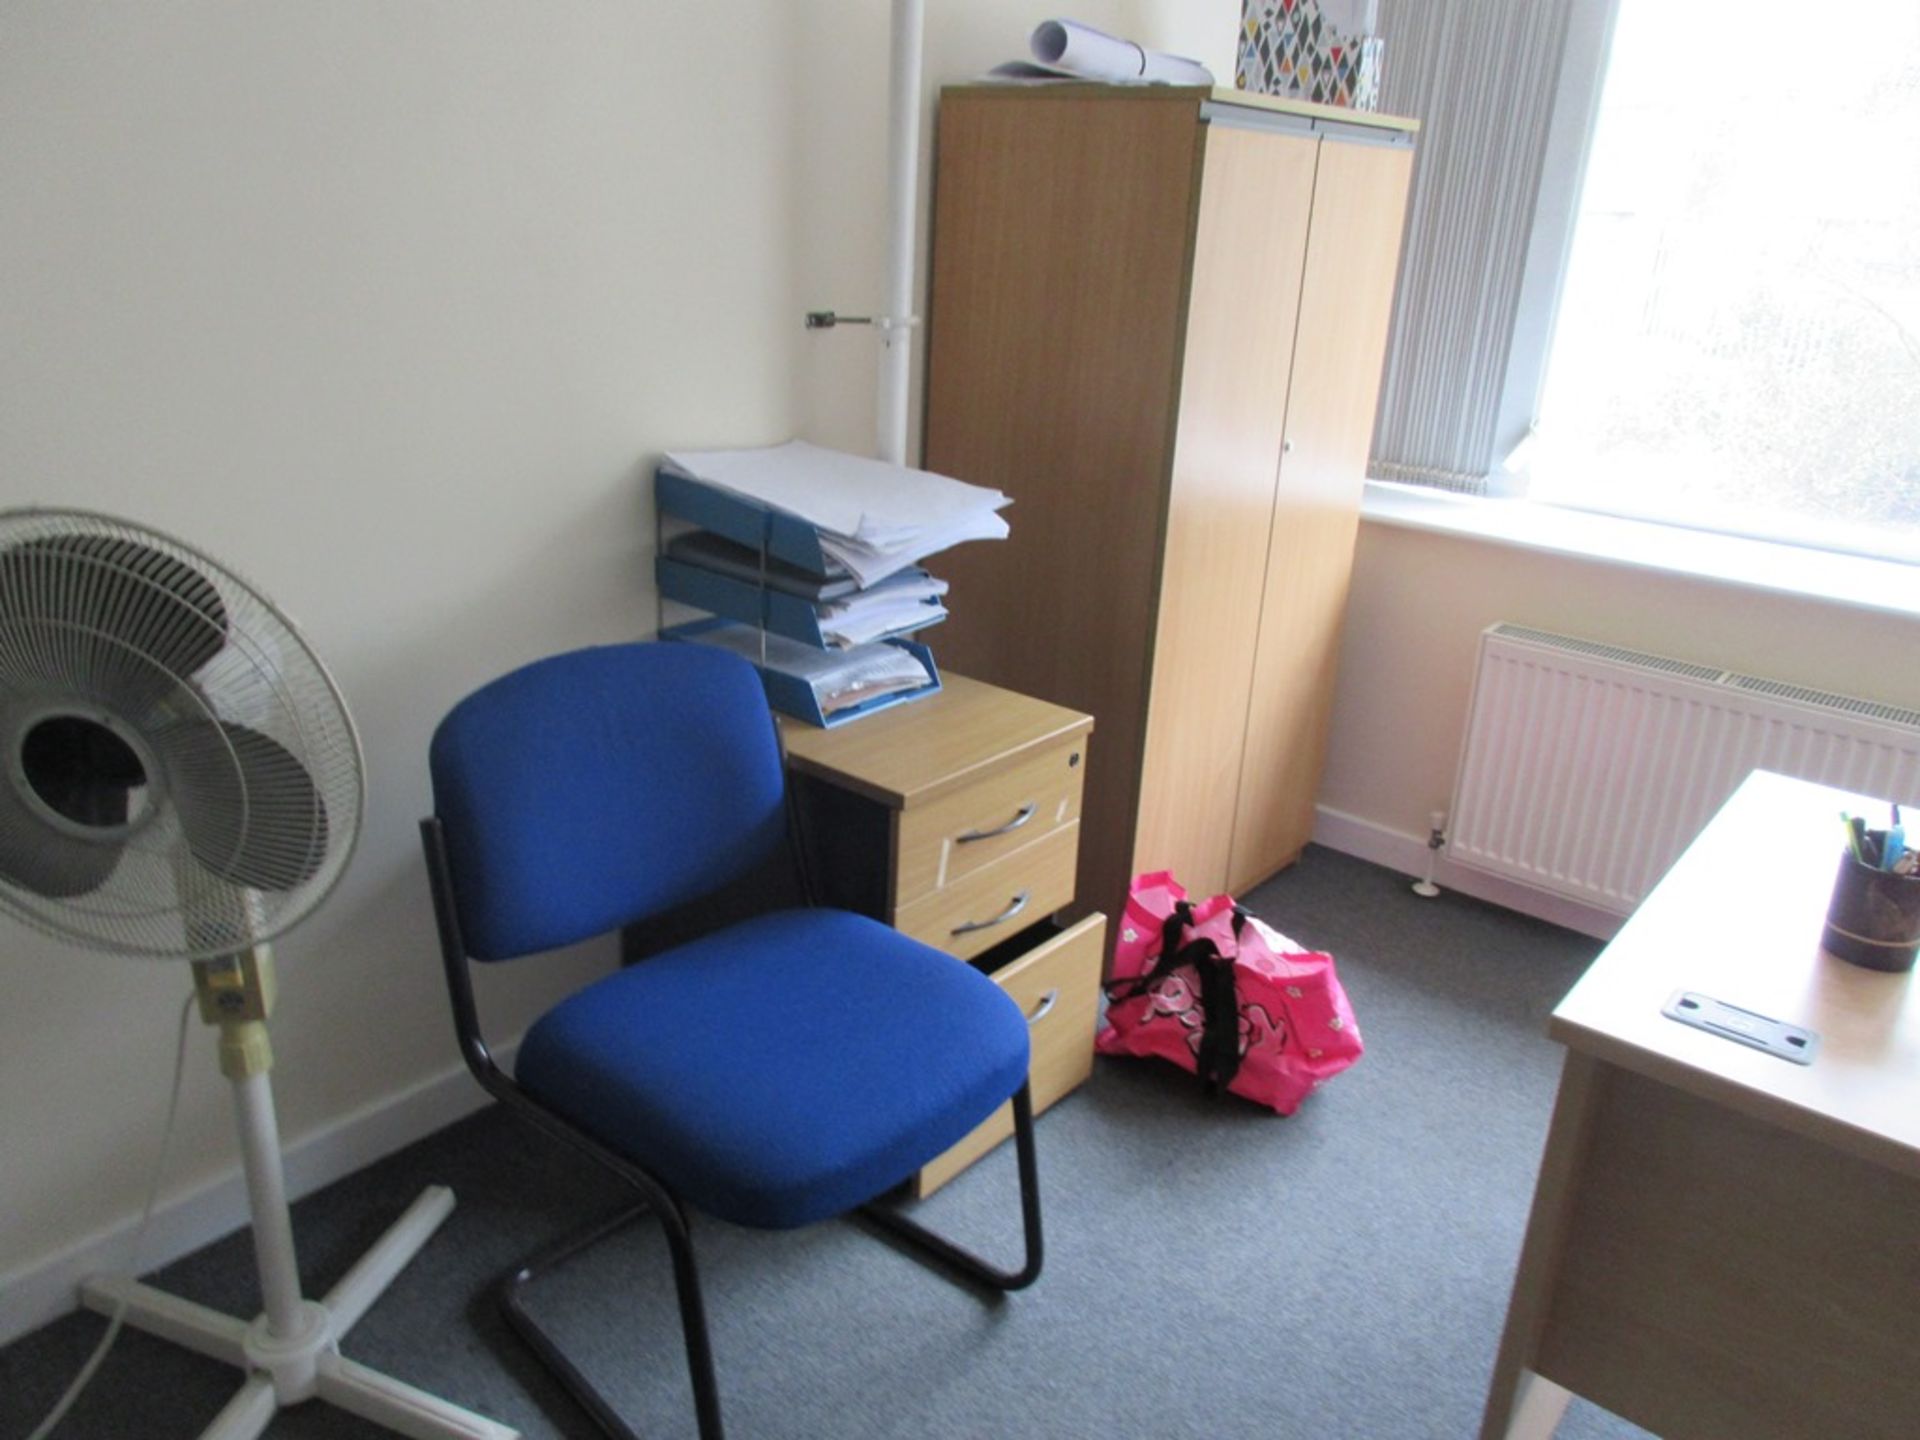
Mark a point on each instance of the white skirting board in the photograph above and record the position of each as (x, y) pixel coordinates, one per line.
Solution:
(1397, 850)
(46, 1289)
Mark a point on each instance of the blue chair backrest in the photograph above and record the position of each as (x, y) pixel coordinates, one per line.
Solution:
(594, 789)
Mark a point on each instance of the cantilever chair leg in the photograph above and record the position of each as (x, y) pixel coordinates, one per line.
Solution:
(964, 1263)
(921, 1241)
(693, 1320)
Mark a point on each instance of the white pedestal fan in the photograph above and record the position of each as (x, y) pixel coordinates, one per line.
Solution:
(182, 781)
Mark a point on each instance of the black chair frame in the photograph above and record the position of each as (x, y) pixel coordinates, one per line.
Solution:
(658, 1200)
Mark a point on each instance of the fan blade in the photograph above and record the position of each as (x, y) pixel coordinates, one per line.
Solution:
(117, 617)
(248, 808)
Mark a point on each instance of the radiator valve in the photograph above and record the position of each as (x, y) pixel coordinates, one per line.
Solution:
(1436, 837)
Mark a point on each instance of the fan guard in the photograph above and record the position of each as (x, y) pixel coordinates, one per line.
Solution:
(182, 779)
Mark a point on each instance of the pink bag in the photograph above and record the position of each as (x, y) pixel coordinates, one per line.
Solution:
(1225, 996)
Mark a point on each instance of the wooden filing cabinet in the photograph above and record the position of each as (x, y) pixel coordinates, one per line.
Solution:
(956, 819)
(1156, 318)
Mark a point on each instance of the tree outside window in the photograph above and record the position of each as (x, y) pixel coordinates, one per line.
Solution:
(1737, 345)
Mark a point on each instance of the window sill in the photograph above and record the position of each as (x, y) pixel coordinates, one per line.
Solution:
(1884, 585)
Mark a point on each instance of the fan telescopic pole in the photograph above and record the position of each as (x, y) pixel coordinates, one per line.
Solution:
(291, 1351)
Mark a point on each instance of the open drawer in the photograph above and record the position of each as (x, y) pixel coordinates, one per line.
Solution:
(1054, 975)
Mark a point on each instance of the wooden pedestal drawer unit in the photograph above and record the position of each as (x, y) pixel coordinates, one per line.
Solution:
(956, 819)
(976, 912)
(1057, 983)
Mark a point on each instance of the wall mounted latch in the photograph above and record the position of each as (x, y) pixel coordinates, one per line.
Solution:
(828, 319)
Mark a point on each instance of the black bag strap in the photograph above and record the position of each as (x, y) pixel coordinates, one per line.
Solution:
(1165, 963)
(1219, 1057)
(1218, 1060)
(1173, 927)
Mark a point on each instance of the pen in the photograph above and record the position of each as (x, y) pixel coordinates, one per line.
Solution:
(1895, 845)
(1863, 850)
(1853, 837)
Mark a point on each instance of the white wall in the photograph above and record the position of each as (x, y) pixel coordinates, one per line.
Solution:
(391, 306)
(386, 305)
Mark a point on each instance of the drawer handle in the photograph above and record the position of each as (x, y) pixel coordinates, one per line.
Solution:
(1027, 813)
(1047, 1002)
(1018, 904)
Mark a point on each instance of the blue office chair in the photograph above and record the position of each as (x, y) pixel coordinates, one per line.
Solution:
(780, 1070)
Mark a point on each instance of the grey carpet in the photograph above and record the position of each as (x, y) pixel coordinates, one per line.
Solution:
(1212, 1270)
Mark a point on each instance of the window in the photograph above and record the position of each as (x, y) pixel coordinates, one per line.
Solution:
(1737, 340)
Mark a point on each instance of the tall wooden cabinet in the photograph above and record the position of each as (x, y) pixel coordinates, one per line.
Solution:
(1156, 319)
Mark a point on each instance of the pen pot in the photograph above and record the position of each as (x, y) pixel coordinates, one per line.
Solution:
(1873, 918)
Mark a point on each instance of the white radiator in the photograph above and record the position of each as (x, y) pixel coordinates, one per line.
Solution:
(1587, 768)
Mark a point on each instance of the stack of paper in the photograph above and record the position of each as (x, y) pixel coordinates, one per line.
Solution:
(807, 560)
(838, 679)
(898, 605)
(743, 562)
(904, 602)
(874, 518)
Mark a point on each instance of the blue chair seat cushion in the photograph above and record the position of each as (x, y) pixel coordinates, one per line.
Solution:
(784, 1069)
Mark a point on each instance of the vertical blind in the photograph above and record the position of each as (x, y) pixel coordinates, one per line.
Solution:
(1481, 76)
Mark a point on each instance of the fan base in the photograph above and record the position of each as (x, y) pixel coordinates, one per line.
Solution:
(306, 1364)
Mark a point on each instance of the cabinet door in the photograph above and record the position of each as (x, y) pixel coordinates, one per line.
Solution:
(1255, 194)
(1346, 301)
(1062, 233)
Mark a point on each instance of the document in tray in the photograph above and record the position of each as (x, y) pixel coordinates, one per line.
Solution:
(742, 562)
(838, 678)
(874, 518)
(870, 564)
(867, 626)
(896, 606)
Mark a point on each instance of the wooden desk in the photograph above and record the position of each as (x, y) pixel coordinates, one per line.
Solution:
(956, 819)
(1725, 1244)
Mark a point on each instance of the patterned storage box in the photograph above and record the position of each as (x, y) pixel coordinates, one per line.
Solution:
(1321, 50)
